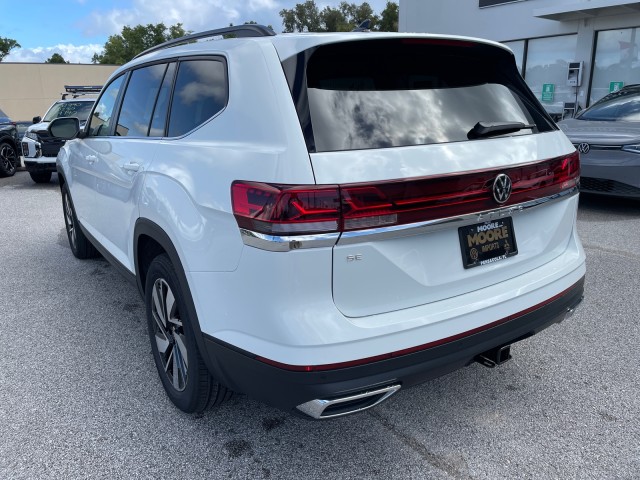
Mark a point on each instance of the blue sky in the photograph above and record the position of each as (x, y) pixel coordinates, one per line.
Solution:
(79, 28)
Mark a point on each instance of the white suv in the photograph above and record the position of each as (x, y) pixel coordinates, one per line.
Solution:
(38, 146)
(319, 220)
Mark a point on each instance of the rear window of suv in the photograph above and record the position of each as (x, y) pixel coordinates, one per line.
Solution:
(403, 92)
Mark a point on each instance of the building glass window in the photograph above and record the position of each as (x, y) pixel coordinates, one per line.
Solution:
(518, 50)
(548, 64)
(616, 61)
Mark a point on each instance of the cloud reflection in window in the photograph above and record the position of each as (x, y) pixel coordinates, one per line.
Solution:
(351, 120)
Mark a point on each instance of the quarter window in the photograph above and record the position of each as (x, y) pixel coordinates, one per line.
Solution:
(139, 99)
(100, 124)
(200, 93)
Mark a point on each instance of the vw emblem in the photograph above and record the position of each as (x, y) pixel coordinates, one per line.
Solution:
(502, 188)
(584, 148)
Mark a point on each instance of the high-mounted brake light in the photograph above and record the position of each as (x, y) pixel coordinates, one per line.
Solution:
(438, 42)
(309, 209)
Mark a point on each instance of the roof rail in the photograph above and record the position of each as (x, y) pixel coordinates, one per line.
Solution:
(247, 30)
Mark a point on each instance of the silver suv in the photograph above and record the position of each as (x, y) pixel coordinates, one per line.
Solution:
(321, 220)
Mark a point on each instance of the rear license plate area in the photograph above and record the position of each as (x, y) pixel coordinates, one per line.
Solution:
(487, 242)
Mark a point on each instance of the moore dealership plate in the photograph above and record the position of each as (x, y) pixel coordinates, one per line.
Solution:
(487, 242)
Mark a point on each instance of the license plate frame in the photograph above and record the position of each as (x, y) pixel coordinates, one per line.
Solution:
(487, 242)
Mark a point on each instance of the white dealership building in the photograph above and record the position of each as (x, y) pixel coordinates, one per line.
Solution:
(568, 50)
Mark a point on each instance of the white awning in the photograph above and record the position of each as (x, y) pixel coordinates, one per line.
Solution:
(588, 9)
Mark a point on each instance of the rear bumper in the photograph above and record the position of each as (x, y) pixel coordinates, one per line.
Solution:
(284, 388)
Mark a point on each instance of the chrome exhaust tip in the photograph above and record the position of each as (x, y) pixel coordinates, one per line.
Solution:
(571, 310)
(337, 407)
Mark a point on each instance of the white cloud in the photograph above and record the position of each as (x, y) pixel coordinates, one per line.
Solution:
(198, 15)
(71, 53)
(194, 15)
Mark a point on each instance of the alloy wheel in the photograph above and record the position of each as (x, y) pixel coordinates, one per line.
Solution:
(169, 334)
(68, 220)
(8, 159)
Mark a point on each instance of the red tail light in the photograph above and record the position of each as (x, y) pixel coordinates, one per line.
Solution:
(284, 209)
(296, 210)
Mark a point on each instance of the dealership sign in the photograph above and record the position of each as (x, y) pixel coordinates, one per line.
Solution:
(615, 86)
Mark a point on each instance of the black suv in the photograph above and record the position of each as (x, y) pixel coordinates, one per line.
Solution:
(9, 150)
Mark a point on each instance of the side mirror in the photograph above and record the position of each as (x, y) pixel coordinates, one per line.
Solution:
(37, 119)
(64, 127)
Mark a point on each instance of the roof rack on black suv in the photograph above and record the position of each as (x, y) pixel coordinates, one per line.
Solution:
(248, 30)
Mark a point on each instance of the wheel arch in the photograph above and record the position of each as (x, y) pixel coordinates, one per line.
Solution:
(62, 180)
(151, 240)
(11, 142)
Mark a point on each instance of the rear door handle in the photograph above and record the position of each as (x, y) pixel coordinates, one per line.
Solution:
(91, 159)
(131, 167)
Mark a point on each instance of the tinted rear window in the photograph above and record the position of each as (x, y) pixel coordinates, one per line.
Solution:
(391, 93)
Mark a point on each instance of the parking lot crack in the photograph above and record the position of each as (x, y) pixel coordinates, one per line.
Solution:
(413, 443)
(598, 248)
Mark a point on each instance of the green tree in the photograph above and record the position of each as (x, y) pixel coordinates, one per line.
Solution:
(333, 20)
(389, 18)
(302, 17)
(356, 14)
(121, 48)
(6, 45)
(56, 58)
(306, 17)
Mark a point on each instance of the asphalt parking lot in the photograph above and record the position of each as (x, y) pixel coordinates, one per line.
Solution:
(80, 396)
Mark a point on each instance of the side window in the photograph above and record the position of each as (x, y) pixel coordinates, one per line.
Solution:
(139, 99)
(159, 119)
(100, 123)
(200, 92)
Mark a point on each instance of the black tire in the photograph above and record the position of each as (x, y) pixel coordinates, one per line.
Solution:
(40, 177)
(188, 384)
(80, 245)
(8, 159)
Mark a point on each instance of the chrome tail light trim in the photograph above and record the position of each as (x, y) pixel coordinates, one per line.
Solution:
(274, 243)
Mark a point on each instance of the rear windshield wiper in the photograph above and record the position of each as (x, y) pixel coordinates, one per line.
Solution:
(489, 129)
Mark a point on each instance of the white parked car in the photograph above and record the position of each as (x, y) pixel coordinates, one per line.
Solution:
(38, 147)
(320, 220)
